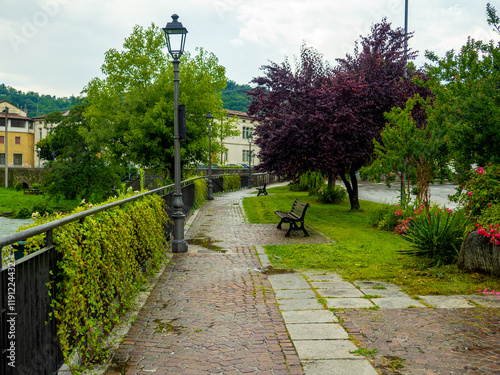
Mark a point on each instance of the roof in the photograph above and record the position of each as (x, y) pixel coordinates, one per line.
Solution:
(13, 116)
(237, 113)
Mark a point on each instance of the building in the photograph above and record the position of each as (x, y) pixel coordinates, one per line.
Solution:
(238, 148)
(42, 130)
(20, 140)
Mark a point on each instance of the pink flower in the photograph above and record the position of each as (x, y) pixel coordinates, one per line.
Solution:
(470, 193)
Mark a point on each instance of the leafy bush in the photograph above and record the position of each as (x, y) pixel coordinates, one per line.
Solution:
(310, 181)
(200, 192)
(437, 236)
(231, 182)
(18, 186)
(35, 186)
(42, 208)
(100, 270)
(333, 196)
(385, 218)
(23, 213)
(482, 190)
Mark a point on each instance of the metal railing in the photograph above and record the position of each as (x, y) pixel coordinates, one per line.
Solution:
(28, 337)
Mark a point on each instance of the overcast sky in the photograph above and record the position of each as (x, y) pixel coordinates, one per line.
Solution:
(57, 46)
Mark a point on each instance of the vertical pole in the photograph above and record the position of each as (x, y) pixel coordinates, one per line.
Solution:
(210, 185)
(6, 147)
(249, 162)
(178, 244)
(403, 195)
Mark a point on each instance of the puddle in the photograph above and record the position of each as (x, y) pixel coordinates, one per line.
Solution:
(276, 271)
(165, 328)
(121, 367)
(208, 244)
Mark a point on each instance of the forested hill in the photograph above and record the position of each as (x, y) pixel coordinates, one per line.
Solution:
(34, 103)
(234, 96)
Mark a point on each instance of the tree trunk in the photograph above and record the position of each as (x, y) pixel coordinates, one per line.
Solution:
(352, 189)
(478, 254)
(331, 181)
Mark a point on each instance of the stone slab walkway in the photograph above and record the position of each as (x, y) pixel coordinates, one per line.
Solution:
(218, 310)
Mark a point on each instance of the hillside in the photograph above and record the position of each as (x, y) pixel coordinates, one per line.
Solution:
(34, 103)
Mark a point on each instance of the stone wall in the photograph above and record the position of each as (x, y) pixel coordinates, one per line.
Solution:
(27, 176)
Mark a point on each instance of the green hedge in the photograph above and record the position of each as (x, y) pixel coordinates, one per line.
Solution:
(100, 271)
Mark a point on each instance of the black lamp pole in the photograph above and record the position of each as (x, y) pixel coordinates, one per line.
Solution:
(210, 121)
(175, 35)
(250, 161)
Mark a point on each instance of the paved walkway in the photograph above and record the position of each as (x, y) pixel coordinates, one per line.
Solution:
(221, 309)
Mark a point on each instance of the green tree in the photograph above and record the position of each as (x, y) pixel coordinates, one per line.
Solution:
(76, 168)
(417, 148)
(130, 111)
(465, 84)
(235, 97)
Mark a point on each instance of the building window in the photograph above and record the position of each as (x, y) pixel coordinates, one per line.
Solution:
(246, 156)
(2, 139)
(2, 159)
(41, 133)
(15, 123)
(247, 132)
(18, 160)
(18, 141)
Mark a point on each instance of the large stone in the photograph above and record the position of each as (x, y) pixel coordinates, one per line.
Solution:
(478, 254)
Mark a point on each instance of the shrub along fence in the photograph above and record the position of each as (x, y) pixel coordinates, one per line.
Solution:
(85, 268)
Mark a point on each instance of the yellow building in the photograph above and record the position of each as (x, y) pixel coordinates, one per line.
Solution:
(20, 141)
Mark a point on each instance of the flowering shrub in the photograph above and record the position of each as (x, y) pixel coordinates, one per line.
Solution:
(491, 232)
(333, 196)
(482, 191)
(491, 293)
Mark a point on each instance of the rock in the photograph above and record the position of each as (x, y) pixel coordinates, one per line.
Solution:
(478, 254)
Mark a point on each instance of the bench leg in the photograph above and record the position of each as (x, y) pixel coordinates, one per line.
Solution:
(279, 225)
(292, 227)
(306, 234)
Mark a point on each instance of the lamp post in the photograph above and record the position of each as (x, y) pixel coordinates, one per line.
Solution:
(250, 161)
(6, 110)
(39, 149)
(210, 121)
(175, 34)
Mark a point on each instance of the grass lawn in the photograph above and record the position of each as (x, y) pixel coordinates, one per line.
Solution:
(13, 200)
(359, 251)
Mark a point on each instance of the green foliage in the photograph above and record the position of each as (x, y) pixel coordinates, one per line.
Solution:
(310, 181)
(42, 208)
(231, 182)
(79, 170)
(384, 218)
(234, 96)
(13, 200)
(23, 213)
(481, 190)
(418, 149)
(130, 110)
(490, 215)
(18, 186)
(100, 271)
(337, 195)
(467, 102)
(200, 192)
(437, 236)
(35, 186)
(35, 104)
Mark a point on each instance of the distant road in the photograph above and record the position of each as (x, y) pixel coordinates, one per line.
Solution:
(379, 192)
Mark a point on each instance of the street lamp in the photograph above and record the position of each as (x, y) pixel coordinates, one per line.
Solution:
(6, 138)
(210, 121)
(250, 161)
(175, 34)
(39, 149)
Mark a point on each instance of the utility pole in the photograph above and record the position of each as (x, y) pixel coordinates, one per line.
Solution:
(6, 110)
(403, 195)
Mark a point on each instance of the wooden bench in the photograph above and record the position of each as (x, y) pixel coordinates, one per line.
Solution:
(32, 192)
(296, 215)
(262, 190)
